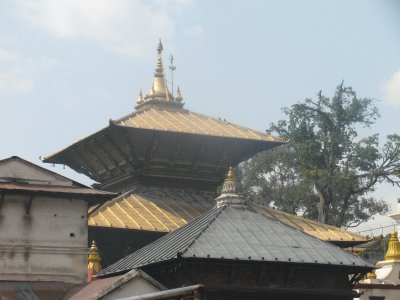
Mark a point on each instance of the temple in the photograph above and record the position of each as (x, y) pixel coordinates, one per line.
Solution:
(166, 163)
(238, 252)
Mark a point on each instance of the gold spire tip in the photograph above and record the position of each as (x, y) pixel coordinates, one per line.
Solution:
(159, 46)
(393, 251)
(94, 259)
(230, 175)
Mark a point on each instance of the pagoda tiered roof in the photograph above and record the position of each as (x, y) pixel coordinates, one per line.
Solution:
(167, 162)
(163, 139)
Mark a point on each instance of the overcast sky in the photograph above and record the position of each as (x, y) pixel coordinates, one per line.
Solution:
(68, 66)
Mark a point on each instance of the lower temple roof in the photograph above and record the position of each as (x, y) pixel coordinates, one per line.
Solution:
(166, 209)
(239, 232)
(152, 209)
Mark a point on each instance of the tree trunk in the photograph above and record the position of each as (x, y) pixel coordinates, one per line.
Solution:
(321, 208)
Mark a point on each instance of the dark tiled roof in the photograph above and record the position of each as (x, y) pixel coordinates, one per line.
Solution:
(239, 232)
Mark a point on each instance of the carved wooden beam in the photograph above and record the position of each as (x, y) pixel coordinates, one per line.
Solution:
(86, 148)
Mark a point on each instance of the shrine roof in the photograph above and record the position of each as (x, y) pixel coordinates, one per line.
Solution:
(239, 232)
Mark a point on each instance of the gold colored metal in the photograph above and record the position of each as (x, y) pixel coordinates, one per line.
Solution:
(140, 98)
(94, 259)
(230, 175)
(178, 97)
(180, 120)
(371, 275)
(159, 90)
(393, 251)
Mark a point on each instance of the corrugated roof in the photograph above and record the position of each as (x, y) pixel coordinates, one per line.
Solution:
(164, 210)
(239, 232)
(152, 209)
(322, 231)
(181, 120)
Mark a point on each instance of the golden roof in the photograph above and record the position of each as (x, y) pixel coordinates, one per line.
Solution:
(164, 210)
(159, 110)
(184, 121)
(393, 251)
(152, 209)
(322, 231)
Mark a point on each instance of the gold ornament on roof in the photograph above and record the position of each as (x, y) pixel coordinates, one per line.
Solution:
(159, 89)
(393, 251)
(94, 259)
(371, 275)
(178, 97)
(230, 175)
(140, 98)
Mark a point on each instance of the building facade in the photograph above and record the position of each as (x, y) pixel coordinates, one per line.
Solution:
(43, 224)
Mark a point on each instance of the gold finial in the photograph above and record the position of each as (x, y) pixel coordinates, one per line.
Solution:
(230, 175)
(140, 98)
(94, 259)
(159, 46)
(159, 90)
(393, 251)
(178, 97)
(371, 275)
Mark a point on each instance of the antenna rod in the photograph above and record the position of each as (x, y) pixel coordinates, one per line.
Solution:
(172, 68)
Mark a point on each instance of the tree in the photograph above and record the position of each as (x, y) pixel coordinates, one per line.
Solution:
(325, 172)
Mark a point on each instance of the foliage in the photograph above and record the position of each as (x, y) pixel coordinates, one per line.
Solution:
(326, 172)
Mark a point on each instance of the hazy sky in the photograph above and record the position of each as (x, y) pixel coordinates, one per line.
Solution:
(68, 66)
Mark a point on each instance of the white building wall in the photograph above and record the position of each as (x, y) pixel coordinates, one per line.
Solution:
(48, 243)
(388, 294)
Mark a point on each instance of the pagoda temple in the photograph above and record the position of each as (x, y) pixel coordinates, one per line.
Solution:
(238, 252)
(166, 162)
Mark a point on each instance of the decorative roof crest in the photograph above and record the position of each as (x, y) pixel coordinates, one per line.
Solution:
(229, 192)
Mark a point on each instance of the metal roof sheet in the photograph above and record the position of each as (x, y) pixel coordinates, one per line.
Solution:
(152, 209)
(164, 210)
(322, 231)
(182, 120)
(239, 232)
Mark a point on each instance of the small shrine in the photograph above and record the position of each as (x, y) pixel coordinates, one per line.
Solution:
(384, 282)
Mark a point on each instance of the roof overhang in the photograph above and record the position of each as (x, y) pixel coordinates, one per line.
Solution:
(118, 151)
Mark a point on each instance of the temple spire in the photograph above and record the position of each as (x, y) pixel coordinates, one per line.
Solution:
(159, 93)
(393, 252)
(159, 90)
(94, 259)
(140, 98)
(178, 97)
(229, 192)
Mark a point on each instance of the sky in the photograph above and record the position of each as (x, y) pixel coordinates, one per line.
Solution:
(68, 66)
